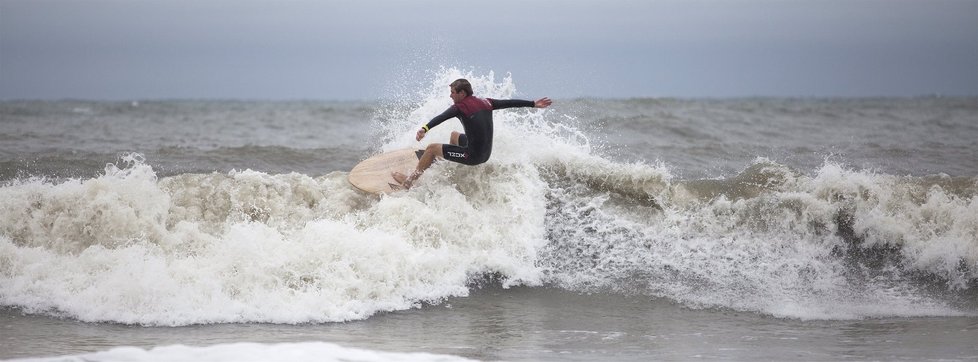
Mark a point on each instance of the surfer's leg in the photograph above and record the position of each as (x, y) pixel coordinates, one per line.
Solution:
(424, 162)
(459, 139)
(433, 150)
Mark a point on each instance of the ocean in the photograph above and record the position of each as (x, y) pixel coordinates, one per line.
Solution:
(600, 229)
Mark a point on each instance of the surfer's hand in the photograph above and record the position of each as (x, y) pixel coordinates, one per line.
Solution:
(421, 133)
(542, 102)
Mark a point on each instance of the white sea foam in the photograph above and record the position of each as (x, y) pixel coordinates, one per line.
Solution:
(840, 244)
(248, 246)
(244, 352)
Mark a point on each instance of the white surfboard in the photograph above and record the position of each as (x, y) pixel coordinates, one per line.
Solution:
(373, 175)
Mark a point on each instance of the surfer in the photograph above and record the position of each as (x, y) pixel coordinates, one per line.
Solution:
(472, 147)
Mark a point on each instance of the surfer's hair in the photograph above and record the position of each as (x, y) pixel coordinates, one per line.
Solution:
(462, 85)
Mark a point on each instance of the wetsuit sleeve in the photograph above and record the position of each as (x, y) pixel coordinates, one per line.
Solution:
(510, 103)
(448, 113)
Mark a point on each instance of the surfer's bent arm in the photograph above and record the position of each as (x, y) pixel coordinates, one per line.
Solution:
(510, 103)
(451, 112)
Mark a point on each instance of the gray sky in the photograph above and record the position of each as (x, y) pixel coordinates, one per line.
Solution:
(369, 49)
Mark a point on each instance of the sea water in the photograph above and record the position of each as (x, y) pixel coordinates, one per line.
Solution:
(622, 229)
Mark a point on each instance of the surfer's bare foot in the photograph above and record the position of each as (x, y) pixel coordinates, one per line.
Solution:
(401, 179)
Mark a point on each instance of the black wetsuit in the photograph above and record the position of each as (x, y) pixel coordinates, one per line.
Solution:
(475, 145)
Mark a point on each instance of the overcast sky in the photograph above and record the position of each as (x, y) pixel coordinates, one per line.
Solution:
(348, 49)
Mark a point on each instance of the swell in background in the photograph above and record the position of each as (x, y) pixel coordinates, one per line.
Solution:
(572, 198)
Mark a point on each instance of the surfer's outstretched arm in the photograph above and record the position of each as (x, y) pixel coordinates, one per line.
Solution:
(512, 103)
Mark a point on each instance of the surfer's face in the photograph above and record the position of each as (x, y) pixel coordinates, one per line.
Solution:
(456, 96)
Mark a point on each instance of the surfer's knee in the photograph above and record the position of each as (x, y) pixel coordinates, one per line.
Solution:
(454, 139)
(434, 149)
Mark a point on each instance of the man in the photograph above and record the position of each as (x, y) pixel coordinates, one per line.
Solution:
(472, 147)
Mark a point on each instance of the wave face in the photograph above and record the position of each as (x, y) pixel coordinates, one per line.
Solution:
(551, 209)
(839, 244)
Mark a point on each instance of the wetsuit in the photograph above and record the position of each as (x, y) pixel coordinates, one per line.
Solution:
(475, 113)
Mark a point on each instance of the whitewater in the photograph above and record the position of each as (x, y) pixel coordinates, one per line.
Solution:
(178, 214)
